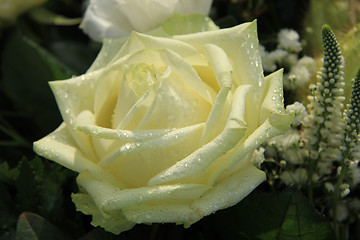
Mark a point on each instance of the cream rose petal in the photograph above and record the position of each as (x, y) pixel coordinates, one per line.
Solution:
(223, 72)
(126, 99)
(275, 122)
(177, 64)
(223, 195)
(138, 41)
(240, 44)
(228, 192)
(86, 123)
(110, 198)
(172, 137)
(113, 49)
(199, 161)
(60, 147)
(175, 106)
(109, 50)
(134, 116)
(73, 96)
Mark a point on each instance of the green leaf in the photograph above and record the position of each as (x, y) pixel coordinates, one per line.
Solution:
(44, 16)
(27, 68)
(8, 215)
(78, 55)
(283, 216)
(26, 186)
(31, 226)
(8, 175)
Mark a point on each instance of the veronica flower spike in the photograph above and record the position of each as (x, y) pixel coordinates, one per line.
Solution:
(324, 126)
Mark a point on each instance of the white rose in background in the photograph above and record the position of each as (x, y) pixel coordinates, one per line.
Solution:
(118, 18)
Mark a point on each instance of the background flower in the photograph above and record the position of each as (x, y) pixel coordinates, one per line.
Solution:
(118, 18)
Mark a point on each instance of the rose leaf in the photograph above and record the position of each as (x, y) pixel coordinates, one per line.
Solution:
(283, 216)
(31, 226)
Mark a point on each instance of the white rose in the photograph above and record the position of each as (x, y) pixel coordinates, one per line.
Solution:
(118, 18)
(165, 129)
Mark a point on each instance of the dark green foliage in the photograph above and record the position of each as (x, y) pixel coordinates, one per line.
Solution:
(36, 186)
(33, 227)
(284, 216)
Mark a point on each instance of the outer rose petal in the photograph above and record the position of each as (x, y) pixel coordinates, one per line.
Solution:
(60, 147)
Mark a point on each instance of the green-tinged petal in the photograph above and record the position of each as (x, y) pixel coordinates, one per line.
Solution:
(178, 213)
(223, 72)
(115, 223)
(138, 41)
(240, 44)
(130, 197)
(184, 24)
(201, 159)
(108, 51)
(172, 137)
(109, 198)
(60, 147)
(228, 192)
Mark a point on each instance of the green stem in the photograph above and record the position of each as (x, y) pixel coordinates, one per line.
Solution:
(15, 136)
(336, 195)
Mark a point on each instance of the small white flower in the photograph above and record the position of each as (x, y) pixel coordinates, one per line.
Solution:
(345, 189)
(258, 156)
(271, 59)
(300, 112)
(289, 40)
(299, 176)
(290, 138)
(293, 155)
(355, 173)
(300, 74)
(329, 187)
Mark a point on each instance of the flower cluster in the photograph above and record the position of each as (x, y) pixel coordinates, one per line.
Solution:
(324, 126)
(352, 146)
(298, 70)
(321, 152)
